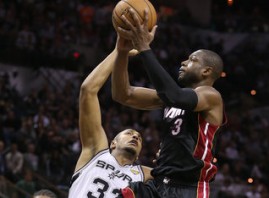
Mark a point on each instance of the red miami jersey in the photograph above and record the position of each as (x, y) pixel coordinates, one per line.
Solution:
(187, 147)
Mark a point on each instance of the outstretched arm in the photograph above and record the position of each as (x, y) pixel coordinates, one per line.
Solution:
(122, 91)
(92, 134)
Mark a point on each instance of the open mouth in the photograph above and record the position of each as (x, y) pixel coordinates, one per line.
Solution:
(133, 142)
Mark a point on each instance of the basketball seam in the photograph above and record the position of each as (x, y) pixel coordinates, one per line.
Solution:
(118, 18)
(117, 24)
(114, 21)
(133, 8)
(152, 19)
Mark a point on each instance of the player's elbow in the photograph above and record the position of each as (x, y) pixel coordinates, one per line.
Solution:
(120, 97)
(87, 88)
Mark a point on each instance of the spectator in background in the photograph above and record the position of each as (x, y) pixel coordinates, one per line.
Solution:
(14, 160)
(27, 183)
(86, 13)
(41, 117)
(27, 132)
(223, 175)
(26, 39)
(11, 125)
(2, 158)
(3, 184)
(30, 158)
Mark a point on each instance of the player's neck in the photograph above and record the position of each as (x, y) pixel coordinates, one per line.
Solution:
(202, 83)
(123, 158)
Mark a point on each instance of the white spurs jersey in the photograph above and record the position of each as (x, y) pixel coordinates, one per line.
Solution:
(102, 177)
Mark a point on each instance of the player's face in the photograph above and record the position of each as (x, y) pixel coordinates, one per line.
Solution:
(130, 140)
(190, 70)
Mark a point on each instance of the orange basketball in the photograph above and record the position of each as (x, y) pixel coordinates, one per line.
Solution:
(123, 6)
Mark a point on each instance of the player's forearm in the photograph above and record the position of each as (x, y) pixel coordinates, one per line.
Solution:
(99, 75)
(120, 78)
(166, 87)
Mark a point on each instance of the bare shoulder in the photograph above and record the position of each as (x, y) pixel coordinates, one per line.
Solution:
(210, 104)
(208, 99)
(210, 93)
(147, 173)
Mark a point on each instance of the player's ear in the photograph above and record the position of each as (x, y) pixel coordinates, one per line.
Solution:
(113, 144)
(207, 71)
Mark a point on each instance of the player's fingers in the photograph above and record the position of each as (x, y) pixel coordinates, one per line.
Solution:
(126, 34)
(135, 17)
(146, 17)
(126, 21)
(153, 31)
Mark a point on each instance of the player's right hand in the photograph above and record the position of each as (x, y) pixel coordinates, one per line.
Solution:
(138, 32)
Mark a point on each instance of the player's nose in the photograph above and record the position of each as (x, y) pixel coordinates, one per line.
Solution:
(183, 63)
(135, 136)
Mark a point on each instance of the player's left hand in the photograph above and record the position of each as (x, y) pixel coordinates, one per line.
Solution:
(139, 34)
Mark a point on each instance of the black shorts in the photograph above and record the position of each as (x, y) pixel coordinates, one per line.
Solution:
(154, 189)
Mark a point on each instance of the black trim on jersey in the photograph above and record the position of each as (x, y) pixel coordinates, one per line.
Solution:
(167, 89)
(95, 156)
(78, 172)
(74, 178)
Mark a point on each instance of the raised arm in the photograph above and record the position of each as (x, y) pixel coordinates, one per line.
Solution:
(166, 87)
(205, 98)
(122, 91)
(92, 134)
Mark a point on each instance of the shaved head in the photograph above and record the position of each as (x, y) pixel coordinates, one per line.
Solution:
(214, 61)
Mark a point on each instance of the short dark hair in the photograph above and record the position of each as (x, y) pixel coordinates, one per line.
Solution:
(45, 192)
(213, 60)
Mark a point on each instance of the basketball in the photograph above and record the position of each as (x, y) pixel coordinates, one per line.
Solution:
(122, 8)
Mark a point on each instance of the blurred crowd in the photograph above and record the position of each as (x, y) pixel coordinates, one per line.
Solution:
(35, 32)
(39, 131)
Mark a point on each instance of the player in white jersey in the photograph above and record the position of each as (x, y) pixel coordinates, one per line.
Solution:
(104, 177)
(102, 170)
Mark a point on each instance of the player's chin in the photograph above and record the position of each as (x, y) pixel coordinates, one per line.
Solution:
(132, 149)
(180, 76)
(182, 81)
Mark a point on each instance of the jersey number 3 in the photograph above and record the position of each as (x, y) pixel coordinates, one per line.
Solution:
(176, 127)
(102, 190)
